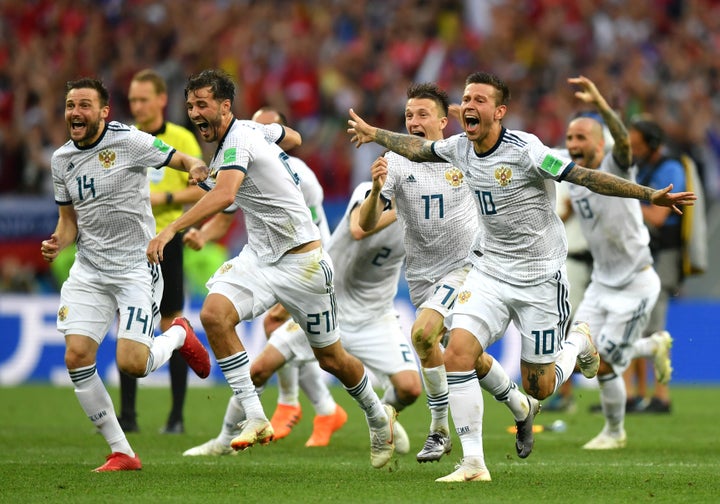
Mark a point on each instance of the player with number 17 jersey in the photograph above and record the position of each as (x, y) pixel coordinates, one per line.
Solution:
(438, 215)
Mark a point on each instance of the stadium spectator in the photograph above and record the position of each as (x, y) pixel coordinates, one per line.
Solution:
(675, 47)
(169, 193)
(103, 197)
(519, 254)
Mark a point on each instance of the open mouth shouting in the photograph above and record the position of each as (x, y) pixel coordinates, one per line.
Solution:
(83, 132)
(578, 157)
(472, 123)
(205, 129)
(77, 128)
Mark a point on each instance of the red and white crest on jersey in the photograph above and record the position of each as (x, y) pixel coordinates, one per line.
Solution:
(107, 158)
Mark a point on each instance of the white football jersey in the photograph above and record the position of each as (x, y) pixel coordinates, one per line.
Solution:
(313, 194)
(273, 133)
(367, 271)
(614, 230)
(107, 185)
(276, 217)
(522, 239)
(437, 212)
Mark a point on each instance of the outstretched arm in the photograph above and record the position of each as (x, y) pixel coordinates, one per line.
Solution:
(611, 185)
(217, 199)
(590, 94)
(409, 146)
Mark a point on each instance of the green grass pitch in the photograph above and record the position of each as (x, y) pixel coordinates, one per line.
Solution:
(48, 449)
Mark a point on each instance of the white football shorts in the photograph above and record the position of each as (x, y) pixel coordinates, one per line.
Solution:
(379, 344)
(486, 305)
(302, 283)
(90, 300)
(618, 316)
(439, 296)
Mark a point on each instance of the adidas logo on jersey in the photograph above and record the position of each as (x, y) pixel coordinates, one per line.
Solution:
(411, 178)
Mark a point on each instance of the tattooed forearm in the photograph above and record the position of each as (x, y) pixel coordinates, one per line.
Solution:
(409, 146)
(621, 148)
(608, 184)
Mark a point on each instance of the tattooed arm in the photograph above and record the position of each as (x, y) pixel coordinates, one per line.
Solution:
(590, 94)
(409, 146)
(611, 185)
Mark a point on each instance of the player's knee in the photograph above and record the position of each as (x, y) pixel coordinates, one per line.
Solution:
(544, 393)
(538, 379)
(457, 359)
(423, 340)
(330, 363)
(132, 363)
(214, 323)
(75, 358)
(483, 365)
(334, 359)
(132, 369)
(408, 393)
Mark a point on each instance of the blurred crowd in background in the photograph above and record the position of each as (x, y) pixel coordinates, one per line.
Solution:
(315, 59)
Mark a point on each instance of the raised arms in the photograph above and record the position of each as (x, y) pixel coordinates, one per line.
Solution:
(590, 94)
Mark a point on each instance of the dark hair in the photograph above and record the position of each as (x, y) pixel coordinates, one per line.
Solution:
(149, 75)
(221, 85)
(90, 83)
(651, 132)
(502, 97)
(431, 92)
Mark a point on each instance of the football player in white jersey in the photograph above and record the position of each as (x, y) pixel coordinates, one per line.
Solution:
(306, 375)
(518, 256)
(624, 286)
(367, 267)
(439, 219)
(283, 261)
(100, 183)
